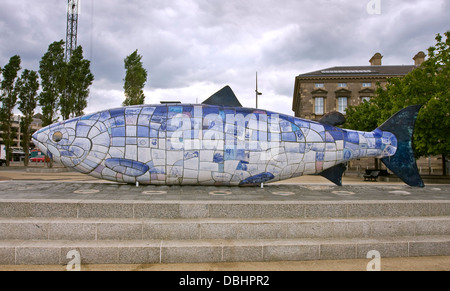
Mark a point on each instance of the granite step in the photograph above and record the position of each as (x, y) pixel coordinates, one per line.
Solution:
(76, 229)
(41, 232)
(221, 209)
(63, 252)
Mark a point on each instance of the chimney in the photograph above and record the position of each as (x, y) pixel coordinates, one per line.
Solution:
(376, 60)
(419, 58)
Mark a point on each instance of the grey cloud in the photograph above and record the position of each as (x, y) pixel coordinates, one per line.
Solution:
(204, 44)
(24, 30)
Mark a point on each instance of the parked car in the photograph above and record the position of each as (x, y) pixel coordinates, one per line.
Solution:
(36, 156)
(38, 160)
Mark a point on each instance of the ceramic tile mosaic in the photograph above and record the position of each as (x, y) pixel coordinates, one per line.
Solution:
(204, 145)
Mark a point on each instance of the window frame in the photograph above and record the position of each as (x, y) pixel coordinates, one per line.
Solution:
(319, 85)
(322, 105)
(339, 104)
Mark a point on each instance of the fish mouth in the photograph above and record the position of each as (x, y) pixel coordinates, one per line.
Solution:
(39, 145)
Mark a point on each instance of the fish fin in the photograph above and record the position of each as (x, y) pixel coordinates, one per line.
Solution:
(258, 179)
(127, 167)
(335, 174)
(333, 118)
(403, 163)
(225, 97)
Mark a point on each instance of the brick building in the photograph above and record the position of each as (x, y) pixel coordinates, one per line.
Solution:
(334, 89)
(35, 125)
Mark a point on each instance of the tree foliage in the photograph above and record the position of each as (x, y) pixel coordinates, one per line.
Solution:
(8, 98)
(65, 86)
(27, 85)
(427, 85)
(52, 70)
(430, 85)
(78, 80)
(362, 117)
(135, 79)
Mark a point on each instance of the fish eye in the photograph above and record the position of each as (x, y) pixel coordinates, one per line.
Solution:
(57, 136)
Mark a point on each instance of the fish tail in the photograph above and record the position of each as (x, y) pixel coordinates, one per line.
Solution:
(403, 163)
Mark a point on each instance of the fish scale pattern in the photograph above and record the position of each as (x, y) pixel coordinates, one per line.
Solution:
(204, 145)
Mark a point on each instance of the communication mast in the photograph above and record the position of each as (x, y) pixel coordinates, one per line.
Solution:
(73, 9)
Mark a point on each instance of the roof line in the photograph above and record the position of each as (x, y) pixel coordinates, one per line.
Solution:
(360, 71)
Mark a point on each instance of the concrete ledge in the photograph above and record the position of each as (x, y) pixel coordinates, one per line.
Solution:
(237, 229)
(213, 251)
(221, 209)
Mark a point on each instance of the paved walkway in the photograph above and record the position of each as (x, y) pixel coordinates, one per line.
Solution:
(386, 264)
(63, 185)
(18, 183)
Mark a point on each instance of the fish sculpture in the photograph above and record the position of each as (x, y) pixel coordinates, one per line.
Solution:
(221, 143)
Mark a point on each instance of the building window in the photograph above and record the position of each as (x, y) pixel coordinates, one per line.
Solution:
(365, 99)
(319, 105)
(367, 85)
(320, 85)
(342, 85)
(342, 104)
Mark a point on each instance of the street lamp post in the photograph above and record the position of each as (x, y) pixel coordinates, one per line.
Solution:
(257, 92)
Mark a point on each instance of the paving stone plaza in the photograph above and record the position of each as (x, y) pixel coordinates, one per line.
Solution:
(45, 216)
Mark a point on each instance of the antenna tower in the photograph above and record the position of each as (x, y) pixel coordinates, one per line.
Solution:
(72, 27)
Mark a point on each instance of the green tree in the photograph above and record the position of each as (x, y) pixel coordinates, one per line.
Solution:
(428, 85)
(135, 79)
(363, 117)
(28, 85)
(52, 70)
(8, 98)
(78, 80)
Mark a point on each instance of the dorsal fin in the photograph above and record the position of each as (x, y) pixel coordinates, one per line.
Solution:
(224, 97)
(333, 118)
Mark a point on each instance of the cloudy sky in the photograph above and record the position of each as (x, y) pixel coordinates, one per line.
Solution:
(193, 48)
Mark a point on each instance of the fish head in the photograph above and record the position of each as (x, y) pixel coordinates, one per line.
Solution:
(71, 142)
(56, 140)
